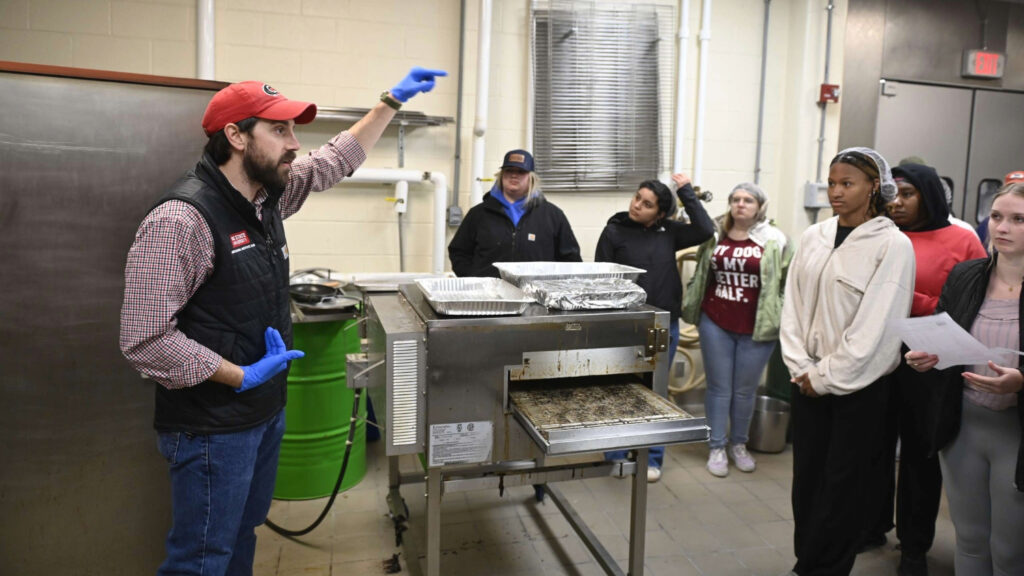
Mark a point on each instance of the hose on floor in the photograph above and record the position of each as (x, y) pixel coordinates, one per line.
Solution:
(337, 485)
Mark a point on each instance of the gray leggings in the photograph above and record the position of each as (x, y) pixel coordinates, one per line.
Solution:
(987, 511)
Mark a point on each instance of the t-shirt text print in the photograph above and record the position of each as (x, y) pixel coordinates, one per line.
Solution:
(729, 265)
(734, 284)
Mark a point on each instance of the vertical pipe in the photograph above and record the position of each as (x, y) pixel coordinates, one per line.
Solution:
(454, 196)
(530, 83)
(702, 88)
(821, 129)
(483, 79)
(684, 38)
(760, 102)
(205, 39)
(401, 205)
(440, 181)
(440, 195)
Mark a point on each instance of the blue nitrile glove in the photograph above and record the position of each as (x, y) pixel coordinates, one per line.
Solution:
(275, 360)
(418, 80)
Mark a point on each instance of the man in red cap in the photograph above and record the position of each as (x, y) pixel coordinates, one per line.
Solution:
(206, 311)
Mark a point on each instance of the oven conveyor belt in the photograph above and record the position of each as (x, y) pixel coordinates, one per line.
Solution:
(570, 418)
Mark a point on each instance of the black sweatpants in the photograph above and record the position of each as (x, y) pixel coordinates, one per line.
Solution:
(837, 457)
(919, 490)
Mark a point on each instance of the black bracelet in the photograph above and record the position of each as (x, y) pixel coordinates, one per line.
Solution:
(386, 98)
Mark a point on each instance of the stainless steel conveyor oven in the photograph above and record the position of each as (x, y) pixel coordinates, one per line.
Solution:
(495, 401)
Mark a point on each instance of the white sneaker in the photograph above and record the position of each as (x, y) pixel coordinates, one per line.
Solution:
(718, 463)
(741, 458)
(653, 474)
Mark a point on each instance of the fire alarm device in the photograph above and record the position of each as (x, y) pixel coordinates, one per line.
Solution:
(829, 93)
(983, 64)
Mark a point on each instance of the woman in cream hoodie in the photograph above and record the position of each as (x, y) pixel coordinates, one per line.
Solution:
(850, 275)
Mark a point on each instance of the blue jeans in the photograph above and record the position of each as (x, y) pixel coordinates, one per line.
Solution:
(656, 454)
(221, 487)
(733, 364)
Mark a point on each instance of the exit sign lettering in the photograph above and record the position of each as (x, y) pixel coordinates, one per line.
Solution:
(983, 64)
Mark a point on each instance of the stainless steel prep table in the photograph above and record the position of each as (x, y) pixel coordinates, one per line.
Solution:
(489, 401)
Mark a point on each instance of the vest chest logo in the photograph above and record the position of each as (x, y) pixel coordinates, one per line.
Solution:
(531, 237)
(240, 241)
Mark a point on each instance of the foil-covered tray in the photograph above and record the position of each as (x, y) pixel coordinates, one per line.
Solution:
(586, 293)
(519, 272)
(473, 296)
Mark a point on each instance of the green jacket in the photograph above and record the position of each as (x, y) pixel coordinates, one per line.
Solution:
(777, 251)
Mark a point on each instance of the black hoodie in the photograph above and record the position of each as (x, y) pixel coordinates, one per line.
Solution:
(653, 248)
(928, 184)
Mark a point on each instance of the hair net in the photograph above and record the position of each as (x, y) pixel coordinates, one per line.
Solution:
(752, 189)
(758, 194)
(887, 186)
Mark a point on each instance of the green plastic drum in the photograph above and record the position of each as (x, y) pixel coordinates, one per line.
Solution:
(317, 415)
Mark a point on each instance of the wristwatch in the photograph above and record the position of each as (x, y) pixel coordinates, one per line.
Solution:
(386, 98)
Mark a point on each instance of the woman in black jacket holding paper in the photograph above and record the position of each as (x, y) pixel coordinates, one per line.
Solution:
(973, 415)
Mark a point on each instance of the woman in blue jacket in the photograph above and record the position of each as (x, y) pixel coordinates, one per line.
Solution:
(648, 237)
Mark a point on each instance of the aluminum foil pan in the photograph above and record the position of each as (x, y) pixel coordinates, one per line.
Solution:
(586, 293)
(384, 282)
(473, 296)
(520, 272)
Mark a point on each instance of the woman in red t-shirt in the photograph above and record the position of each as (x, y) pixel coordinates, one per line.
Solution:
(735, 299)
(921, 213)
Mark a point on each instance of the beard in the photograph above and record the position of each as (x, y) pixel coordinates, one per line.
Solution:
(270, 173)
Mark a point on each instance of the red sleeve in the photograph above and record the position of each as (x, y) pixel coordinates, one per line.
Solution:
(936, 253)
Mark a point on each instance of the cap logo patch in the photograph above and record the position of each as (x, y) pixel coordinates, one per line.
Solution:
(516, 158)
(269, 91)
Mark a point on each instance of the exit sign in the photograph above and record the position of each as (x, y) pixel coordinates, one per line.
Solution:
(982, 64)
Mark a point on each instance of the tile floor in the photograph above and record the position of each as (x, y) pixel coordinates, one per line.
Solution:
(696, 525)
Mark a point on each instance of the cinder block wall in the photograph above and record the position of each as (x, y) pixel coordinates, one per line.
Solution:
(344, 53)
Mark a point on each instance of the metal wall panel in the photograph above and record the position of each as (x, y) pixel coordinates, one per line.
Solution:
(997, 141)
(925, 40)
(920, 41)
(82, 487)
(862, 65)
(933, 122)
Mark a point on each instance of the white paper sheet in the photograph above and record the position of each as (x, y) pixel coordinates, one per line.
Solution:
(942, 336)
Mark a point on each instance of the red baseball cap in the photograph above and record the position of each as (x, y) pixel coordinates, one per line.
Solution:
(1015, 176)
(247, 99)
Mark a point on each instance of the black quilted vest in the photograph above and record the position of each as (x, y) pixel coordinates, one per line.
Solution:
(246, 293)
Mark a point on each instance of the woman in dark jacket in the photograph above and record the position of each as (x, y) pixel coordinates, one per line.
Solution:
(648, 237)
(513, 223)
(974, 414)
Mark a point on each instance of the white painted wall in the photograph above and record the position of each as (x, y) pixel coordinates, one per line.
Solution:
(344, 53)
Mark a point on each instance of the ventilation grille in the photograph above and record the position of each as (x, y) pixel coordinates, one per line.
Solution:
(601, 73)
(405, 392)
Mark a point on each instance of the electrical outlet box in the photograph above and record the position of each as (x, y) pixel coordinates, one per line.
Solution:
(816, 195)
(454, 216)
